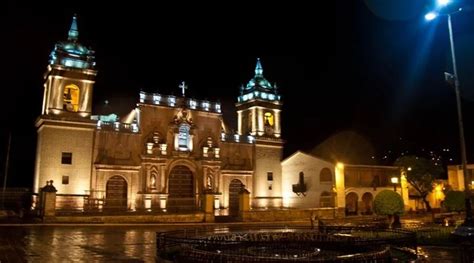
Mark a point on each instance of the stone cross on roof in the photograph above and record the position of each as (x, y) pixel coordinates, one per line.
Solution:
(183, 87)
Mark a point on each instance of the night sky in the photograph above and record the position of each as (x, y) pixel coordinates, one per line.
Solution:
(372, 68)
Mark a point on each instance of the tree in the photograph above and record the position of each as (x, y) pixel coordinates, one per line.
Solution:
(389, 203)
(420, 174)
(454, 201)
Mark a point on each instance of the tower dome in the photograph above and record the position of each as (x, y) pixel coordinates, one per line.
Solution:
(71, 53)
(259, 87)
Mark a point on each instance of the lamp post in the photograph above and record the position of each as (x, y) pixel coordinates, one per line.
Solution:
(394, 181)
(468, 225)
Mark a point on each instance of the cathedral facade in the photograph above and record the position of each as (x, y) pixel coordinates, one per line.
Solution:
(165, 154)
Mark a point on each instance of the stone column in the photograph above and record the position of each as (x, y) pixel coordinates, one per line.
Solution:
(239, 122)
(277, 123)
(244, 204)
(208, 206)
(48, 200)
(340, 189)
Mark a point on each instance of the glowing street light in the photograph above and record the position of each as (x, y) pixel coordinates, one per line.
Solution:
(442, 3)
(394, 181)
(467, 228)
(431, 15)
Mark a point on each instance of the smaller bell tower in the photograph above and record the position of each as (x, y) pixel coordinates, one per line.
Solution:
(69, 78)
(258, 109)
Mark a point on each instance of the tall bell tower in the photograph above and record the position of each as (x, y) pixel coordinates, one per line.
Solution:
(258, 109)
(69, 78)
(65, 130)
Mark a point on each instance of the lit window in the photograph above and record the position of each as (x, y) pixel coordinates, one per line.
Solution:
(183, 137)
(71, 98)
(66, 158)
(263, 95)
(236, 137)
(271, 97)
(223, 136)
(65, 179)
(142, 97)
(218, 107)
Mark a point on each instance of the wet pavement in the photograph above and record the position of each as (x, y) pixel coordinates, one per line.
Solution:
(112, 243)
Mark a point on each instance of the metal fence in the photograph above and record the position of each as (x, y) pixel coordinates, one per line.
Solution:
(269, 244)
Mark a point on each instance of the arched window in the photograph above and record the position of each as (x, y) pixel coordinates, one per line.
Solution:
(325, 175)
(269, 119)
(183, 137)
(71, 98)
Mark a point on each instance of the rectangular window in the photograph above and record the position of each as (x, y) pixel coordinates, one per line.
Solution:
(269, 176)
(65, 179)
(66, 158)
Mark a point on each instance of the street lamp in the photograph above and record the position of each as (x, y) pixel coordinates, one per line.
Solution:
(467, 228)
(394, 181)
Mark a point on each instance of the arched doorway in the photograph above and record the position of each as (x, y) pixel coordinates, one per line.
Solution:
(181, 190)
(116, 193)
(351, 203)
(235, 187)
(367, 202)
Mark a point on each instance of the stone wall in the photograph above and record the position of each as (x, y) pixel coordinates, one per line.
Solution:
(289, 215)
(165, 218)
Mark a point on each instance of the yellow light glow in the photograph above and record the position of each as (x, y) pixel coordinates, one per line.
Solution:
(340, 165)
(269, 119)
(71, 98)
(409, 169)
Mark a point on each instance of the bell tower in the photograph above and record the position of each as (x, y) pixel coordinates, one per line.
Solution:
(69, 78)
(258, 109)
(65, 130)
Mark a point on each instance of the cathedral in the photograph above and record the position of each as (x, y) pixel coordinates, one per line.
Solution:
(169, 153)
(165, 154)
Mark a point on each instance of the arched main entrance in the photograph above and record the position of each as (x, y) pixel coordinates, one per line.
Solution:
(116, 193)
(234, 189)
(181, 190)
(351, 203)
(367, 201)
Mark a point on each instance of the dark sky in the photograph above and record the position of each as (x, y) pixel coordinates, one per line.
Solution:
(371, 67)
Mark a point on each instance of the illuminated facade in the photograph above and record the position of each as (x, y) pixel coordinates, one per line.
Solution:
(348, 187)
(165, 154)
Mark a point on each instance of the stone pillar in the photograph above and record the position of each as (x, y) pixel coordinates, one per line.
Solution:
(340, 189)
(239, 122)
(254, 121)
(208, 206)
(48, 200)
(277, 123)
(244, 204)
